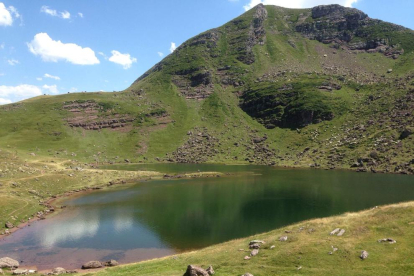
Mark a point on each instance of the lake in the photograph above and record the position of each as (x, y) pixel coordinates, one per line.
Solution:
(163, 217)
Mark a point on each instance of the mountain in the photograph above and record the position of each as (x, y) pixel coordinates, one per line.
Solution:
(323, 87)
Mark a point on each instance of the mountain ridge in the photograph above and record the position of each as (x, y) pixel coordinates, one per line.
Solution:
(323, 87)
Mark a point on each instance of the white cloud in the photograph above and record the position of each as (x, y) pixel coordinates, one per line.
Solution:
(6, 18)
(13, 62)
(19, 92)
(73, 89)
(80, 14)
(161, 54)
(16, 14)
(39, 79)
(51, 77)
(53, 51)
(123, 59)
(297, 4)
(65, 15)
(4, 101)
(51, 88)
(49, 11)
(2, 46)
(102, 54)
(173, 47)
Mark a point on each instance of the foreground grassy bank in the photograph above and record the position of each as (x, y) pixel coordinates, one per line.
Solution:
(306, 251)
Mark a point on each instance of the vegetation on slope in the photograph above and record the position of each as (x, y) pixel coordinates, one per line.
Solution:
(269, 87)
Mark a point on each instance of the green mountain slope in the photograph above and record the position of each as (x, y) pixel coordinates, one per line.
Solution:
(323, 87)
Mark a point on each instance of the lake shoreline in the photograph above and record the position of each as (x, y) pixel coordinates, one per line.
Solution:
(51, 201)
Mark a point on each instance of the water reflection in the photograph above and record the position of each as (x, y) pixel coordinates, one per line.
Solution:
(84, 225)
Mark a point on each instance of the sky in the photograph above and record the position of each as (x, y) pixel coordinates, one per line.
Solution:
(54, 47)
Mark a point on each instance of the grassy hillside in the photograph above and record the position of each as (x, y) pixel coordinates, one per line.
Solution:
(324, 87)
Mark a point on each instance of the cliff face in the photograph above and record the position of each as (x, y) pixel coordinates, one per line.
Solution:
(350, 28)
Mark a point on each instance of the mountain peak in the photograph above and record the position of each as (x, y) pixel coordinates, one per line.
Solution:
(335, 11)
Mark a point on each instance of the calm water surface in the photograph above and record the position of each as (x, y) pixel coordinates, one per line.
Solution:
(159, 218)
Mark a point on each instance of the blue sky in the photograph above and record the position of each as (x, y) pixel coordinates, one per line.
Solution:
(52, 47)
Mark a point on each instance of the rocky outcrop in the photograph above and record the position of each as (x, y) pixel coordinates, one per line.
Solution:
(333, 22)
(256, 35)
(199, 147)
(341, 26)
(85, 114)
(285, 106)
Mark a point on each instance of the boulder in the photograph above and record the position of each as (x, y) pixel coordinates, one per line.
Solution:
(364, 255)
(247, 274)
(9, 225)
(334, 231)
(20, 271)
(111, 263)
(92, 264)
(256, 241)
(58, 270)
(341, 232)
(254, 252)
(391, 241)
(284, 238)
(195, 271)
(210, 270)
(405, 133)
(255, 246)
(7, 262)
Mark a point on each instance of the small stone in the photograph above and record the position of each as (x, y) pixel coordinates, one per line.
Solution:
(92, 264)
(300, 267)
(247, 258)
(284, 238)
(256, 241)
(334, 231)
(272, 247)
(391, 241)
(341, 232)
(9, 225)
(254, 252)
(247, 274)
(111, 263)
(58, 271)
(255, 246)
(364, 255)
(210, 270)
(20, 271)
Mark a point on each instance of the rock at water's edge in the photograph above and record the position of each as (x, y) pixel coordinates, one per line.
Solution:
(7, 262)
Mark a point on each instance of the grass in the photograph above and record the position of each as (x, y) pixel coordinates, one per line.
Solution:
(38, 147)
(306, 249)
